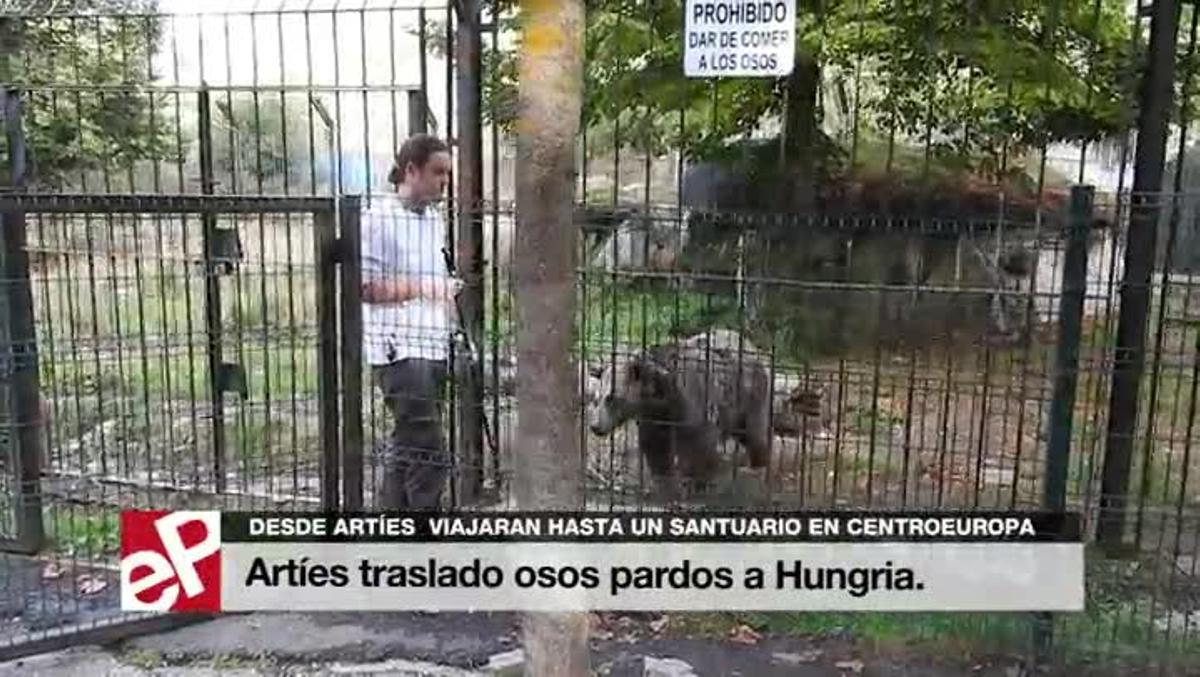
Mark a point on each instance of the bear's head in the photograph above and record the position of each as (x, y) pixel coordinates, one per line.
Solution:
(618, 392)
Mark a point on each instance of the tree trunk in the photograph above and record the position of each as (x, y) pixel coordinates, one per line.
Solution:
(547, 462)
(800, 133)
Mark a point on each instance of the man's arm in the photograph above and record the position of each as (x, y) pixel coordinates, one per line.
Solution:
(382, 284)
(400, 288)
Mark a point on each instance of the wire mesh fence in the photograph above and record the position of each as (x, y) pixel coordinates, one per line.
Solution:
(887, 329)
(161, 371)
(916, 367)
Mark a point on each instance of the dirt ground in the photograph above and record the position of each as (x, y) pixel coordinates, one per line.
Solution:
(465, 644)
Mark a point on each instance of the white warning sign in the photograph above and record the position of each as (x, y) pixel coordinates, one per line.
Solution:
(739, 38)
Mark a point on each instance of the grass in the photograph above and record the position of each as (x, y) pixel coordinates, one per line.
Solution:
(124, 340)
(273, 374)
(874, 629)
(137, 324)
(629, 315)
(91, 531)
(625, 314)
(1101, 634)
(143, 659)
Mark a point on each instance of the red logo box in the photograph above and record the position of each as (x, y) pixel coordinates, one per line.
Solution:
(170, 560)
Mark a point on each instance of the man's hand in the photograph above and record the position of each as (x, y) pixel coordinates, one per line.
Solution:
(453, 287)
(403, 289)
(441, 288)
(450, 291)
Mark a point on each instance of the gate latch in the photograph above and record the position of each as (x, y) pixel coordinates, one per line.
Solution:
(225, 249)
(231, 378)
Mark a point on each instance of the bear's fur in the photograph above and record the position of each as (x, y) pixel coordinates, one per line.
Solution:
(687, 398)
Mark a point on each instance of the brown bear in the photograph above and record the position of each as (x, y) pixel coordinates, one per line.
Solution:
(687, 398)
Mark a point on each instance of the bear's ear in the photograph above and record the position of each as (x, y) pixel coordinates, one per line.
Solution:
(650, 374)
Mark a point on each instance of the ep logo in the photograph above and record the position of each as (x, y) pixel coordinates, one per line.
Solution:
(170, 561)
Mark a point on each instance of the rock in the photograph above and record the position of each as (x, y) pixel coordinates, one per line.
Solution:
(666, 667)
(809, 656)
(507, 664)
(855, 666)
(1187, 565)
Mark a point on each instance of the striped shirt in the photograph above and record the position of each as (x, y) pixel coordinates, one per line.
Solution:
(397, 240)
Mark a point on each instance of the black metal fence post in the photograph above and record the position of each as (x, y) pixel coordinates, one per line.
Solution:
(1066, 375)
(24, 387)
(350, 248)
(1157, 98)
(1066, 362)
(325, 249)
(469, 246)
(417, 112)
(212, 294)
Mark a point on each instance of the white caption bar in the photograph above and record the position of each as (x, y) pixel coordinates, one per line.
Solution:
(652, 576)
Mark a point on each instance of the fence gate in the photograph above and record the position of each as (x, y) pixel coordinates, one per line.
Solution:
(160, 352)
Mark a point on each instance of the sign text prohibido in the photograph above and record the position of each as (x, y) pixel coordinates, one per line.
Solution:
(739, 38)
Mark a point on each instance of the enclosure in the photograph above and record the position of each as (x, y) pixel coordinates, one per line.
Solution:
(927, 249)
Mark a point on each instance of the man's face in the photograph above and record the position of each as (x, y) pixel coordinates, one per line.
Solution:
(426, 184)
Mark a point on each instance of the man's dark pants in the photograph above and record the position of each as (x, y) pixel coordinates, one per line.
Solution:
(415, 463)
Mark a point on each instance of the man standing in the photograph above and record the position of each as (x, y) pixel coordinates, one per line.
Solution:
(407, 294)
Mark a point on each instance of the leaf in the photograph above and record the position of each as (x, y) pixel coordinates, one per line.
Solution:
(744, 634)
(90, 585)
(52, 571)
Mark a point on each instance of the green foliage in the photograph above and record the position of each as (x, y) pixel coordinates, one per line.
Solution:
(261, 138)
(86, 103)
(85, 532)
(969, 78)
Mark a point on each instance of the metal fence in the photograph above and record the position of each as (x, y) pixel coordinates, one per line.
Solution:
(964, 387)
(949, 345)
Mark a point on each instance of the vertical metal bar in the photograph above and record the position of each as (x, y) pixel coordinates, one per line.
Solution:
(312, 108)
(1158, 98)
(351, 354)
(1106, 326)
(1066, 364)
(324, 236)
(450, 59)
(366, 102)
(1164, 285)
(268, 395)
(1066, 373)
(469, 243)
(189, 316)
(423, 98)
(336, 130)
(392, 82)
(451, 240)
(416, 112)
(495, 263)
(21, 347)
(212, 295)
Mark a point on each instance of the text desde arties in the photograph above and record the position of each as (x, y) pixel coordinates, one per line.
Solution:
(866, 527)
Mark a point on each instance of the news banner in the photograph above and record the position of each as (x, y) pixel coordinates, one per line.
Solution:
(209, 561)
